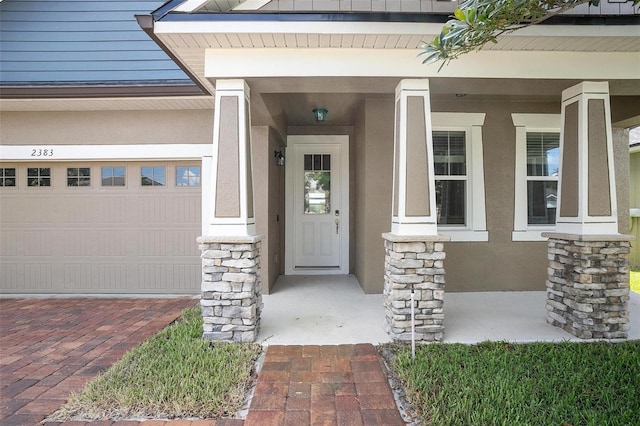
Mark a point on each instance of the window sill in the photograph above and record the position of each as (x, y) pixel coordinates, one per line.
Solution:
(464, 234)
(531, 234)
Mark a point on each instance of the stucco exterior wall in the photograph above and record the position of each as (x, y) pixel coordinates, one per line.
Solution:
(106, 127)
(373, 166)
(497, 265)
(268, 184)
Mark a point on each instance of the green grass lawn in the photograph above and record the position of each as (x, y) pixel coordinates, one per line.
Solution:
(634, 280)
(522, 384)
(171, 375)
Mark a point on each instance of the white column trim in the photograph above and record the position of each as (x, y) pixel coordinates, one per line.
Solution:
(583, 223)
(403, 224)
(243, 225)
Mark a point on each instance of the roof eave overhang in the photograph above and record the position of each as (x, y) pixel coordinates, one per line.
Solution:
(68, 91)
(146, 23)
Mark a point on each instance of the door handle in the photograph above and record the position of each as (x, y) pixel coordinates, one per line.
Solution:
(337, 224)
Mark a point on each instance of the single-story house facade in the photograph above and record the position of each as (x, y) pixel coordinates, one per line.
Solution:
(306, 137)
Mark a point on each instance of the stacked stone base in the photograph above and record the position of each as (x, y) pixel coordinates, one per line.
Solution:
(414, 264)
(588, 285)
(231, 299)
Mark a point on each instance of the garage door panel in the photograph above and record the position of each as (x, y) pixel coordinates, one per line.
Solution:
(96, 239)
(36, 276)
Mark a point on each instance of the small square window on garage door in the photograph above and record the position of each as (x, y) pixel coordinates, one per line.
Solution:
(188, 176)
(78, 176)
(153, 176)
(7, 176)
(113, 176)
(39, 176)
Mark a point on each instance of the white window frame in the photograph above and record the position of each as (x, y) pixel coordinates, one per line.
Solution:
(528, 123)
(475, 228)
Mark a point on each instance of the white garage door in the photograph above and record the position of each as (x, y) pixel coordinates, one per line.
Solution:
(100, 227)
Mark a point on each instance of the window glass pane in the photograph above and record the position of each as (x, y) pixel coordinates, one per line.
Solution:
(317, 192)
(450, 202)
(317, 162)
(449, 153)
(113, 176)
(308, 162)
(188, 176)
(7, 177)
(542, 200)
(159, 176)
(543, 154)
(38, 176)
(152, 176)
(326, 162)
(78, 176)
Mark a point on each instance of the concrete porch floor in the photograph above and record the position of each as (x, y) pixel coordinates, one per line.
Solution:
(332, 309)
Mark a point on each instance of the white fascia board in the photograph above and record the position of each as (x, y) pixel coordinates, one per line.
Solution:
(347, 62)
(34, 153)
(296, 27)
(373, 27)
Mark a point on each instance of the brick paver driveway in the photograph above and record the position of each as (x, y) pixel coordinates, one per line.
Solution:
(51, 347)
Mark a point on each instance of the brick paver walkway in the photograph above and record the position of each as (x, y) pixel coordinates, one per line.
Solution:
(322, 385)
(52, 347)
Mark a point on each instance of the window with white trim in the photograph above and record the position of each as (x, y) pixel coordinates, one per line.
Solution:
(536, 175)
(78, 176)
(187, 176)
(7, 176)
(459, 175)
(113, 176)
(153, 176)
(39, 176)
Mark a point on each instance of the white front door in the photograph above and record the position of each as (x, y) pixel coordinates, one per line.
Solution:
(317, 223)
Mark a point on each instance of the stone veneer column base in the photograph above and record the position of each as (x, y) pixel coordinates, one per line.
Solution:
(414, 263)
(231, 299)
(588, 285)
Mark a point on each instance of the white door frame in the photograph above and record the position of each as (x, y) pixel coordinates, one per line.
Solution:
(342, 141)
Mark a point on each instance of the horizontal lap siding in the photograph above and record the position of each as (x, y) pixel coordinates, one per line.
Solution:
(110, 240)
(79, 41)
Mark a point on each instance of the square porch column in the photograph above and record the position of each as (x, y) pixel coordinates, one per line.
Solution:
(231, 299)
(414, 260)
(588, 275)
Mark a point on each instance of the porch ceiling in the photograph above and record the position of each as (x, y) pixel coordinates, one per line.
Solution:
(293, 99)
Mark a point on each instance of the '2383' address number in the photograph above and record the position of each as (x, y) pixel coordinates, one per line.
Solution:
(40, 152)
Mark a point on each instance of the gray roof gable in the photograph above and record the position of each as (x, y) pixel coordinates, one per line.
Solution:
(73, 42)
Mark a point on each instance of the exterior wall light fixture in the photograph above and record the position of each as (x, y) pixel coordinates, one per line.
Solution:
(320, 114)
(279, 158)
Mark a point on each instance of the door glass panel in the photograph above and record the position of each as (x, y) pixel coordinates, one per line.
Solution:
(317, 184)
